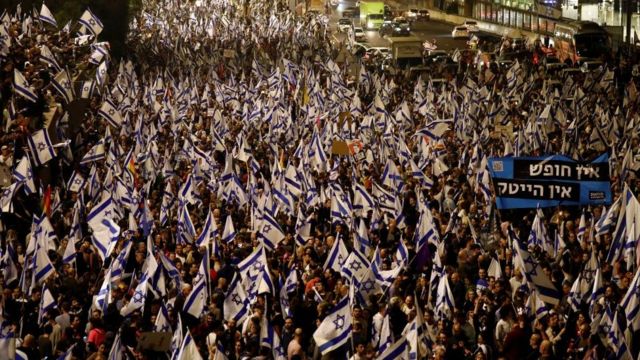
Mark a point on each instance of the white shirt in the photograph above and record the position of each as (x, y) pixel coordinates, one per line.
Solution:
(378, 318)
(515, 284)
(502, 329)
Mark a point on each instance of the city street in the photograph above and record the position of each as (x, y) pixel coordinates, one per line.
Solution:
(239, 179)
(438, 31)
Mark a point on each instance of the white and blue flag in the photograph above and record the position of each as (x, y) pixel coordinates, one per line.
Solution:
(41, 148)
(46, 16)
(335, 329)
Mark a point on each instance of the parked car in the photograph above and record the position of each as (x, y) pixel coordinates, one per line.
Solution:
(460, 32)
(401, 27)
(358, 34)
(353, 12)
(438, 56)
(411, 14)
(375, 56)
(386, 28)
(423, 15)
(471, 25)
(359, 50)
(436, 53)
(379, 51)
(344, 24)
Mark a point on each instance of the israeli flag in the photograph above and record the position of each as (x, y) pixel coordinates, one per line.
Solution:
(46, 16)
(229, 232)
(91, 22)
(236, 302)
(110, 112)
(337, 256)
(47, 302)
(139, 297)
(270, 233)
(188, 350)
(162, 323)
(22, 88)
(46, 56)
(335, 329)
(41, 148)
(43, 266)
(62, 83)
(399, 350)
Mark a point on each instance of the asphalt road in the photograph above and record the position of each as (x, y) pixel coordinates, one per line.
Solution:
(438, 31)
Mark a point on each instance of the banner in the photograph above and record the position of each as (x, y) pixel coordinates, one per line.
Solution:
(529, 182)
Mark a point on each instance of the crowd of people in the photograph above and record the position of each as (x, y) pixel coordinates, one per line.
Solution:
(231, 190)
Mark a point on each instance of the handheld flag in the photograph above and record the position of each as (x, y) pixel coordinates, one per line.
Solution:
(335, 329)
(91, 22)
(46, 16)
(22, 88)
(41, 148)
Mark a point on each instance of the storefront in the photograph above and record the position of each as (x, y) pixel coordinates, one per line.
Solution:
(521, 14)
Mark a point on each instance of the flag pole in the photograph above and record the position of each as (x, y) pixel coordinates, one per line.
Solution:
(208, 275)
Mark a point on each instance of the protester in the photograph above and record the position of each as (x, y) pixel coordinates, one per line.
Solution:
(232, 190)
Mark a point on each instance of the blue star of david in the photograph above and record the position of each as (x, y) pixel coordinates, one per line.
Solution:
(77, 181)
(253, 278)
(339, 322)
(257, 266)
(85, 89)
(107, 213)
(252, 290)
(367, 285)
(41, 146)
(164, 328)
(92, 22)
(111, 112)
(138, 297)
(532, 262)
(266, 228)
(236, 299)
(355, 265)
(66, 85)
(341, 260)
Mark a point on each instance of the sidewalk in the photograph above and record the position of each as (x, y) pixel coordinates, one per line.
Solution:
(405, 5)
